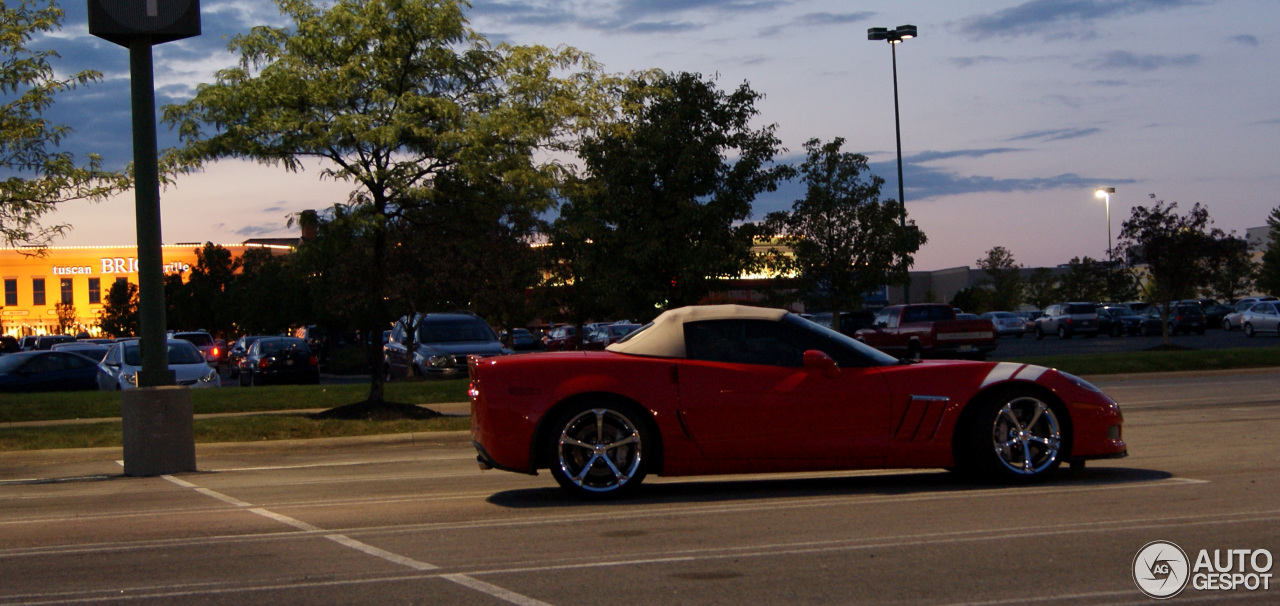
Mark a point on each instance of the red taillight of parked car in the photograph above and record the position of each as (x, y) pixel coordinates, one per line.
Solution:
(216, 352)
(314, 361)
(264, 363)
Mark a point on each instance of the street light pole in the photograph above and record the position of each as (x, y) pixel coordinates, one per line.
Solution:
(1105, 192)
(894, 37)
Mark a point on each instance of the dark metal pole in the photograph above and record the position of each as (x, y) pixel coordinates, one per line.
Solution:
(902, 196)
(146, 186)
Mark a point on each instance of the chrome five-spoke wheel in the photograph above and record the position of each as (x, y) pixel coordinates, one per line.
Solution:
(1026, 436)
(599, 450)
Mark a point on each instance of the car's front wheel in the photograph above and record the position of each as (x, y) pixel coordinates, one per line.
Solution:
(1226, 324)
(1248, 329)
(1014, 436)
(599, 449)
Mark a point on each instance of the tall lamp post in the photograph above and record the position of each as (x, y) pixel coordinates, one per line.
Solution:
(894, 37)
(1105, 193)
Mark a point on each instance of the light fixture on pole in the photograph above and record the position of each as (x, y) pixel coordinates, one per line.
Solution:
(1105, 193)
(894, 37)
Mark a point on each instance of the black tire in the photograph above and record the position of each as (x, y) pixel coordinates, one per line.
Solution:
(1226, 325)
(1012, 435)
(598, 449)
(1039, 333)
(1248, 330)
(244, 379)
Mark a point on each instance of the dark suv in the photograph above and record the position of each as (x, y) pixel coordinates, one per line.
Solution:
(1067, 320)
(1184, 317)
(439, 346)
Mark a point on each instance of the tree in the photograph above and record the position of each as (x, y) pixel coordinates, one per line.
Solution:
(209, 293)
(1269, 272)
(119, 314)
(1004, 276)
(269, 295)
(391, 95)
(1231, 269)
(1041, 289)
(668, 186)
(66, 317)
(1172, 247)
(37, 177)
(1085, 280)
(845, 242)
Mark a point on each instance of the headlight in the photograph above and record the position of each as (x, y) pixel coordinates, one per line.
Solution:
(130, 378)
(441, 360)
(1080, 382)
(210, 377)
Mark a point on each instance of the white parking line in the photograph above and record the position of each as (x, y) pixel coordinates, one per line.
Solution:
(350, 543)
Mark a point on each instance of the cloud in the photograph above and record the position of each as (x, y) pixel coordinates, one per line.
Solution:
(1060, 134)
(964, 62)
(1127, 61)
(628, 16)
(1245, 40)
(1060, 18)
(267, 229)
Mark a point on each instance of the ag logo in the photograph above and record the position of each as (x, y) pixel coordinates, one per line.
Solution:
(1160, 569)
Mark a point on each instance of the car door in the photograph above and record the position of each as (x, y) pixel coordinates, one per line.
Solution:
(746, 394)
(1269, 320)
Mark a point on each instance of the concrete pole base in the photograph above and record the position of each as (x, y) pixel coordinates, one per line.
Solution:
(158, 428)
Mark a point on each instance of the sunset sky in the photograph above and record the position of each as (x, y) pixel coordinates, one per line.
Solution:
(1013, 113)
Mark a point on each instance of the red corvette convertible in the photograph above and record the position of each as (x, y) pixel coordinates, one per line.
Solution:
(731, 389)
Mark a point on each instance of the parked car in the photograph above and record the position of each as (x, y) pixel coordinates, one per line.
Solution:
(279, 360)
(93, 351)
(1186, 317)
(235, 353)
(1261, 317)
(928, 330)
(1029, 319)
(439, 346)
(1215, 314)
(699, 390)
(1007, 323)
(27, 343)
(9, 344)
(605, 335)
(119, 369)
(1118, 319)
(563, 338)
(1068, 320)
(46, 371)
(204, 342)
(45, 342)
(519, 339)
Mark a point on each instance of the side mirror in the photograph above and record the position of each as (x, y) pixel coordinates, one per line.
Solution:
(821, 362)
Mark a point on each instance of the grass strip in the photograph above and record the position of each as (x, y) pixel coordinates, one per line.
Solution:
(252, 428)
(52, 406)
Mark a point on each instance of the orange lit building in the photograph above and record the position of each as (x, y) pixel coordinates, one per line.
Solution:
(82, 276)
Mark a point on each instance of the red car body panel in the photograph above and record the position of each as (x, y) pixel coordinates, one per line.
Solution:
(715, 418)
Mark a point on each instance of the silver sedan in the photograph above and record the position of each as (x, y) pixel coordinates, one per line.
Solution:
(1262, 317)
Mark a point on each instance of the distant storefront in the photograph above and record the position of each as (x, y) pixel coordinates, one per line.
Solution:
(82, 276)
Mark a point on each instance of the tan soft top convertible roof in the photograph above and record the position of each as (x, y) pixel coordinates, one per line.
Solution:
(665, 339)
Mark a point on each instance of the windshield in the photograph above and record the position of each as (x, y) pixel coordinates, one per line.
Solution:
(455, 332)
(199, 339)
(180, 352)
(12, 362)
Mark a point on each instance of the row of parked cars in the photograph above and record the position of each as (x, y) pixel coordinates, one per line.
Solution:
(194, 357)
(1069, 319)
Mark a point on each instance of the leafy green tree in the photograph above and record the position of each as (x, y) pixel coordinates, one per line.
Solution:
(66, 317)
(1041, 289)
(1172, 248)
(845, 241)
(1004, 277)
(119, 314)
(668, 187)
(37, 176)
(1231, 269)
(390, 95)
(268, 295)
(972, 299)
(1085, 280)
(208, 297)
(1269, 272)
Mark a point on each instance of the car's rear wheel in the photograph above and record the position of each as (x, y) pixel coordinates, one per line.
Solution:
(1014, 435)
(599, 449)
(1226, 324)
